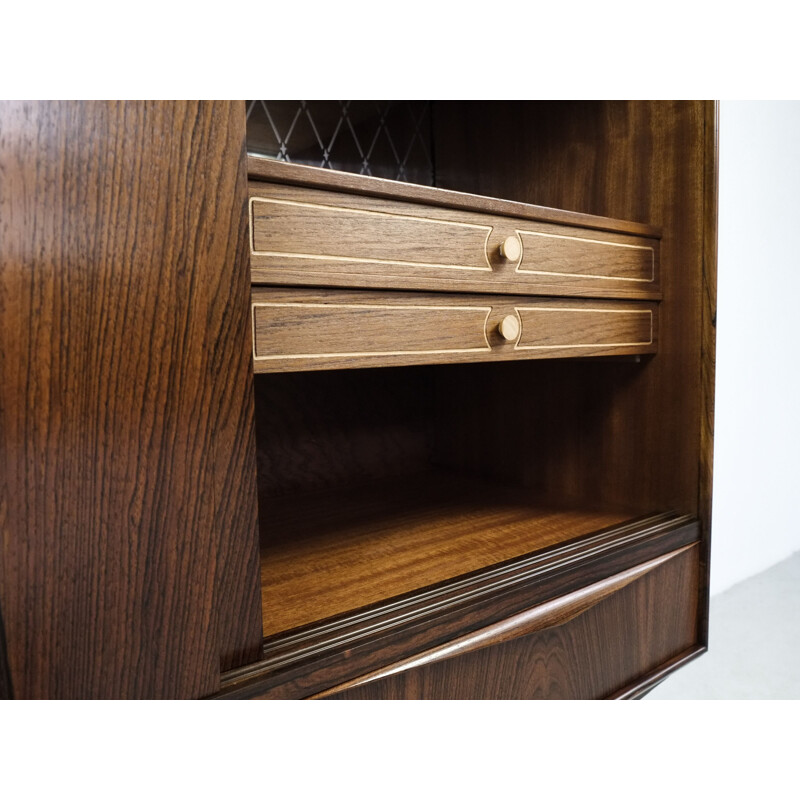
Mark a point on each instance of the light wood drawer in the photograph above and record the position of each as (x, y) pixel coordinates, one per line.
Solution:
(592, 643)
(304, 329)
(310, 236)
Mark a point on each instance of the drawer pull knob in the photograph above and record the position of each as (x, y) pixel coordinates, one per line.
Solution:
(511, 249)
(509, 328)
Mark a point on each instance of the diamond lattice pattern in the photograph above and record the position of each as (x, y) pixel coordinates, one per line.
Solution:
(383, 138)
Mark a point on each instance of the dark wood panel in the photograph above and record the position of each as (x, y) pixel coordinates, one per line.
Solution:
(559, 650)
(6, 687)
(708, 344)
(644, 684)
(643, 161)
(129, 542)
(312, 659)
(329, 429)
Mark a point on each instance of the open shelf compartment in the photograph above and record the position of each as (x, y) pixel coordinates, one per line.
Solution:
(378, 483)
(328, 553)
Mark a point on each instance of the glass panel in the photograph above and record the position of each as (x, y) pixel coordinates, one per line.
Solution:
(385, 138)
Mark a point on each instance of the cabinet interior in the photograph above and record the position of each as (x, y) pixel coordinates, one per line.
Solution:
(378, 482)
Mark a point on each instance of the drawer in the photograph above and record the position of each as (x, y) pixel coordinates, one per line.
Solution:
(625, 595)
(304, 329)
(311, 236)
(595, 642)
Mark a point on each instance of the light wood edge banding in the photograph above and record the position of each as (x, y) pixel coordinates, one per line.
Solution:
(651, 279)
(356, 260)
(551, 614)
(378, 353)
(518, 346)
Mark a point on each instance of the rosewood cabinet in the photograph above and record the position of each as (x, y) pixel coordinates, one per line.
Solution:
(269, 430)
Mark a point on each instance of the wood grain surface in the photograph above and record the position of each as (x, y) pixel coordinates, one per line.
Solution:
(644, 684)
(303, 662)
(6, 687)
(605, 435)
(304, 329)
(128, 539)
(626, 434)
(316, 237)
(708, 345)
(334, 552)
(290, 223)
(582, 258)
(128, 533)
(260, 168)
(554, 328)
(560, 650)
(332, 429)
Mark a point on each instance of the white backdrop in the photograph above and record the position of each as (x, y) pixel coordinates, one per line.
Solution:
(757, 422)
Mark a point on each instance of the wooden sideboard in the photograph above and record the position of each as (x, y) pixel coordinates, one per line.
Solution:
(275, 431)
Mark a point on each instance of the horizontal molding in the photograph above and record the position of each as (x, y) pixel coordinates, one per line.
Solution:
(535, 620)
(424, 607)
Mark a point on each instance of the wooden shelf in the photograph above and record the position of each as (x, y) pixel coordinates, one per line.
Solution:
(329, 553)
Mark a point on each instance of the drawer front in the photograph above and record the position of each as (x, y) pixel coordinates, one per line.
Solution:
(550, 251)
(306, 329)
(301, 235)
(589, 644)
(560, 328)
(343, 238)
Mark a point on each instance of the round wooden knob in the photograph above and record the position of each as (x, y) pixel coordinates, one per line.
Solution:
(509, 328)
(511, 248)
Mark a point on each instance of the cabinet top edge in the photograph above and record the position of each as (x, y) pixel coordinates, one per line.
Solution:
(265, 168)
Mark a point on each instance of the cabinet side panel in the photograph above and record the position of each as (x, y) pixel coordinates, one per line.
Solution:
(709, 341)
(237, 599)
(122, 426)
(6, 689)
